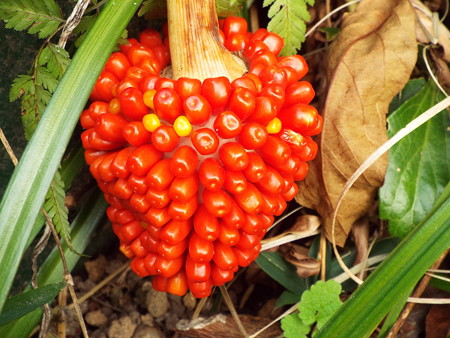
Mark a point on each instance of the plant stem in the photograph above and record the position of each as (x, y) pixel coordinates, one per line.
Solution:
(195, 48)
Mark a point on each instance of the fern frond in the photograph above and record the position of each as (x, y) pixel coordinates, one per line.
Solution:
(42, 17)
(56, 60)
(56, 209)
(288, 19)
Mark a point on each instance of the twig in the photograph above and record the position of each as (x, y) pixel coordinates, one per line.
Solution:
(417, 293)
(8, 148)
(227, 299)
(62, 300)
(72, 21)
(199, 308)
(68, 277)
(323, 257)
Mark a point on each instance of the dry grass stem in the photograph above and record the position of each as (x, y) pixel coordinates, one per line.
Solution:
(330, 14)
(227, 299)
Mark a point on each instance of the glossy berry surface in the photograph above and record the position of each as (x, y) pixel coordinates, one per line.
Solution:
(194, 172)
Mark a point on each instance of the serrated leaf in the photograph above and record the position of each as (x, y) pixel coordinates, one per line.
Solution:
(46, 79)
(23, 303)
(293, 326)
(283, 272)
(320, 302)
(21, 85)
(55, 58)
(288, 19)
(418, 168)
(42, 17)
(83, 28)
(56, 209)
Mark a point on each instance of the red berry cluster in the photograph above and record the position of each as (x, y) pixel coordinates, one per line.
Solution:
(195, 172)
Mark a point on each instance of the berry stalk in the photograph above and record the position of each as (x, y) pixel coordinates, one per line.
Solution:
(194, 42)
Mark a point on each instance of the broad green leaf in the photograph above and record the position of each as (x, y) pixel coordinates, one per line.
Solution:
(287, 19)
(419, 165)
(412, 88)
(31, 179)
(23, 303)
(283, 272)
(293, 326)
(42, 17)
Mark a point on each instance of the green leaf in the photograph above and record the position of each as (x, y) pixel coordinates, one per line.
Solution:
(46, 79)
(320, 302)
(287, 298)
(383, 289)
(154, 8)
(56, 209)
(21, 84)
(330, 32)
(418, 168)
(56, 60)
(283, 272)
(412, 88)
(28, 186)
(83, 28)
(26, 302)
(288, 19)
(42, 17)
(293, 326)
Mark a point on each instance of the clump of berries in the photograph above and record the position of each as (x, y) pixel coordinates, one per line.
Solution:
(195, 171)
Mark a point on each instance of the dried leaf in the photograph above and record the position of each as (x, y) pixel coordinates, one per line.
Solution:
(369, 63)
(430, 29)
(305, 226)
(298, 256)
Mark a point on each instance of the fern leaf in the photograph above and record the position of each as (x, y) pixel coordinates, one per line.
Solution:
(46, 79)
(42, 17)
(56, 209)
(288, 19)
(56, 60)
(21, 85)
(83, 27)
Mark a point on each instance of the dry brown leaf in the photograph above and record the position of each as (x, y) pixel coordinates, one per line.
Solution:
(298, 256)
(369, 63)
(430, 29)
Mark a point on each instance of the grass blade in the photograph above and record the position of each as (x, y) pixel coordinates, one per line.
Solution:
(29, 183)
(369, 304)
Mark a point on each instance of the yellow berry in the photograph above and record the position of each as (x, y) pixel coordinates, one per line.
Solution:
(182, 126)
(151, 122)
(274, 126)
(114, 106)
(148, 98)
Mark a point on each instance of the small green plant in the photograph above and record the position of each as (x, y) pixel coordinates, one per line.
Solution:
(317, 305)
